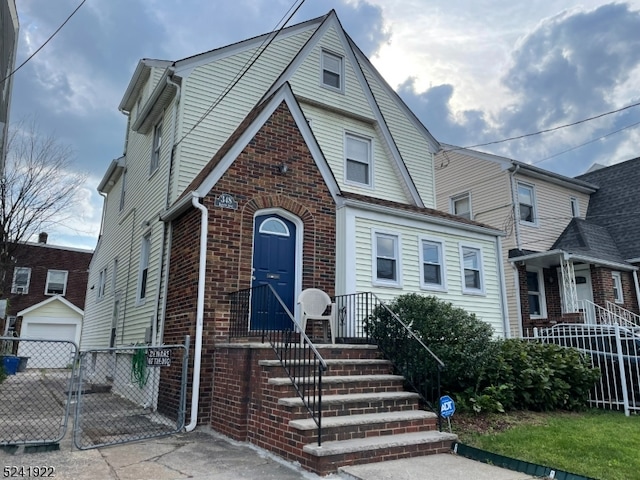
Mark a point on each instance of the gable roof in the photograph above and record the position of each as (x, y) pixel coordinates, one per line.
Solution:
(331, 19)
(576, 184)
(235, 144)
(582, 237)
(616, 204)
(55, 298)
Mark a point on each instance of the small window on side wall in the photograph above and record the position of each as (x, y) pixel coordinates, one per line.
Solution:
(461, 205)
(358, 159)
(332, 71)
(472, 274)
(432, 261)
(526, 204)
(617, 287)
(21, 279)
(575, 207)
(155, 149)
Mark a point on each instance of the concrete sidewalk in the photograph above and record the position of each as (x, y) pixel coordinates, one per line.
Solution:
(204, 455)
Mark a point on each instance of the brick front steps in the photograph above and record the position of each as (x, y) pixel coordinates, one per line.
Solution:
(367, 416)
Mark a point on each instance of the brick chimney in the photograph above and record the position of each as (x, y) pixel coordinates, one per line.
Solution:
(42, 237)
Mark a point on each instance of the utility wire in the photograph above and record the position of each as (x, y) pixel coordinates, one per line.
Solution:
(583, 144)
(42, 46)
(547, 130)
(245, 68)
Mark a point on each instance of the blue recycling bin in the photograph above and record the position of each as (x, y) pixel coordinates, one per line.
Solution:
(10, 364)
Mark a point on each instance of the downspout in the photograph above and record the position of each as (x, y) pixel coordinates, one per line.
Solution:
(635, 280)
(503, 290)
(204, 223)
(516, 231)
(161, 303)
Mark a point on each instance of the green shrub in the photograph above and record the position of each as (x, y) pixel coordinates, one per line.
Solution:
(539, 376)
(457, 337)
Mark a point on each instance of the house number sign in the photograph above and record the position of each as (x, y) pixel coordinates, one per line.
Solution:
(226, 200)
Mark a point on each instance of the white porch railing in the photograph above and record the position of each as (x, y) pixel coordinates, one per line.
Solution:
(629, 316)
(595, 314)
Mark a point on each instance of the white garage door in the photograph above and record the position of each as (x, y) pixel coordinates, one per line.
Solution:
(48, 354)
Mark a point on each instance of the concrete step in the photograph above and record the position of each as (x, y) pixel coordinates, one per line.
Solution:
(366, 419)
(336, 366)
(333, 454)
(356, 404)
(343, 384)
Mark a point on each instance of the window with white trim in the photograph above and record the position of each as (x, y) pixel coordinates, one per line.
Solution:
(472, 275)
(155, 149)
(535, 293)
(332, 71)
(461, 205)
(102, 284)
(123, 191)
(114, 276)
(432, 261)
(617, 287)
(143, 272)
(357, 159)
(387, 264)
(21, 279)
(575, 207)
(56, 282)
(526, 204)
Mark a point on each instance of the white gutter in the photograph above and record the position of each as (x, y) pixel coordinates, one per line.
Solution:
(503, 290)
(204, 224)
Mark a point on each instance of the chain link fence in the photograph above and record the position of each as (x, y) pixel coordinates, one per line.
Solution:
(36, 389)
(129, 393)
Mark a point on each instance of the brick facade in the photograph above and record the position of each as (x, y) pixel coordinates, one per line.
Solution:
(256, 183)
(41, 258)
(601, 284)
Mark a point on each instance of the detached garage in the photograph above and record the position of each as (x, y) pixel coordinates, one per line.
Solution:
(53, 319)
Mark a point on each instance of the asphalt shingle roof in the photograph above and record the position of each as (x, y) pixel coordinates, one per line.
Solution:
(585, 238)
(616, 204)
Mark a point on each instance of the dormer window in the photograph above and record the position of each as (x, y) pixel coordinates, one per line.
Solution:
(332, 71)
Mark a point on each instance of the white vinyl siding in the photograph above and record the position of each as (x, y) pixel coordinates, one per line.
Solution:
(411, 143)
(356, 273)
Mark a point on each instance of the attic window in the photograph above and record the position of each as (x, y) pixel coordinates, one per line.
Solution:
(332, 71)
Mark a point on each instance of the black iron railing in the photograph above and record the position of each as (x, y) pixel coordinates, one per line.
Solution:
(364, 318)
(260, 312)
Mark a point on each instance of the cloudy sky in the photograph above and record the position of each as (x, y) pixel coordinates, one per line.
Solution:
(473, 72)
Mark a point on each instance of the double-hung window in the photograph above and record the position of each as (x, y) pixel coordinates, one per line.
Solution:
(358, 159)
(431, 259)
(155, 149)
(617, 287)
(575, 207)
(56, 282)
(123, 191)
(387, 262)
(526, 203)
(21, 278)
(461, 205)
(332, 71)
(472, 275)
(143, 273)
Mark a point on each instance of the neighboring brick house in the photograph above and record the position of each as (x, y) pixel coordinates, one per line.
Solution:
(47, 291)
(562, 263)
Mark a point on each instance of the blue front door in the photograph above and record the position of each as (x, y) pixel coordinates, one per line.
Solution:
(274, 263)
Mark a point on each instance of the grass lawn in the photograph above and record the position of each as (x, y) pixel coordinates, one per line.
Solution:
(595, 443)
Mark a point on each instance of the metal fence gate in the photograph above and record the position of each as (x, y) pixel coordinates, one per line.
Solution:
(116, 395)
(614, 350)
(36, 390)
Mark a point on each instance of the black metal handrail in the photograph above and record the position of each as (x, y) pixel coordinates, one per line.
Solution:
(260, 312)
(362, 315)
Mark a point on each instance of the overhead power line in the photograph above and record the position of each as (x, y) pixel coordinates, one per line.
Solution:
(245, 68)
(42, 46)
(547, 130)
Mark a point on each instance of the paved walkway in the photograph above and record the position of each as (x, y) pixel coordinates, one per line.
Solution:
(206, 455)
